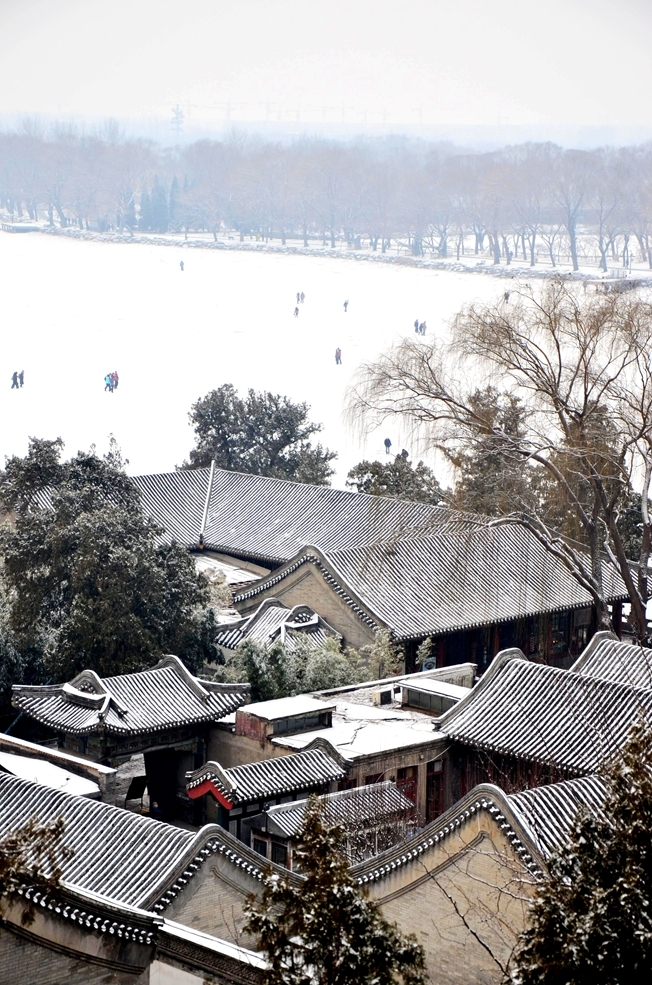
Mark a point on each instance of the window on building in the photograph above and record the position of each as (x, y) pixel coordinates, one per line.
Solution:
(373, 778)
(279, 854)
(260, 846)
(303, 723)
(560, 628)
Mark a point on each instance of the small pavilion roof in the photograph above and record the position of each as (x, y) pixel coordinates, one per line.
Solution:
(546, 715)
(267, 778)
(440, 583)
(365, 805)
(272, 621)
(166, 696)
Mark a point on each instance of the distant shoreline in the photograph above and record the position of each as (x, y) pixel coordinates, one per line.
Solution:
(511, 271)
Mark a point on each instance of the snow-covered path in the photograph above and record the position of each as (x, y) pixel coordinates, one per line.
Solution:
(72, 311)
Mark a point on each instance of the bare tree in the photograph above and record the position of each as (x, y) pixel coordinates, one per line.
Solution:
(581, 367)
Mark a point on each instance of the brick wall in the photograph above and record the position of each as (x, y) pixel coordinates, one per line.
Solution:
(250, 726)
(24, 962)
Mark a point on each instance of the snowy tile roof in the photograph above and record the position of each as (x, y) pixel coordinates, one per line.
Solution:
(355, 734)
(48, 775)
(176, 501)
(166, 696)
(546, 715)
(267, 778)
(273, 620)
(128, 858)
(549, 812)
(374, 802)
(613, 660)
(450, 581)
(272, 519)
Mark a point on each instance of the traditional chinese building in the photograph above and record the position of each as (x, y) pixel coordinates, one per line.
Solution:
(161, 718)
(239, 793)
(525, 724)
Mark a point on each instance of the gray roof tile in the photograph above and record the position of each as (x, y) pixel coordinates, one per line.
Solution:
(549, 812)
(269, 777)
(614, 660)
(546, 715)
(455, 580)
(166, 696)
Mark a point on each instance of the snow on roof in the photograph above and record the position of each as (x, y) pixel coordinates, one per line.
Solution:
(251, 781)
(448, 579)
(546, 715)
(359, 738)
(209, 564)
(613, 660)
(371, 803)
(300, 704)
(549, 812)
(165, 696)
(272, 519)
(48, 775)
(441, 688)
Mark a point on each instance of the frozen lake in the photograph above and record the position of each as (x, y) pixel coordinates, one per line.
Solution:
(73, 310)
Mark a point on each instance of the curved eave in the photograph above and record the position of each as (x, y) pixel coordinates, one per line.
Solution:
(102, 727)
(461, 627)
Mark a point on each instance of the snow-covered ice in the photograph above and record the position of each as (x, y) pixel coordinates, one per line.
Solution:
(73, 310)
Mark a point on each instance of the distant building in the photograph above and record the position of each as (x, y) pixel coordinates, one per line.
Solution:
(365, 563)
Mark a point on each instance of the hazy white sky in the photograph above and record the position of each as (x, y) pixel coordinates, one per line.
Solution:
(434, 61)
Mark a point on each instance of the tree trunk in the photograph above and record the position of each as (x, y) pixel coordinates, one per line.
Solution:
(572, 234)
(533, 238)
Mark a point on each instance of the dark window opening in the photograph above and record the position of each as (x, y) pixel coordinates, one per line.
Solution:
(279, 854)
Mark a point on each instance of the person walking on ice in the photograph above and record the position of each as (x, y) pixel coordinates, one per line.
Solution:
(388, 445)
(416, 325)
(338, 356)
(21, 377)
(14, 380)
(346, 306)
(108, 383)
(296, 312)
(181, 265)
(303, 297)
(298, 297)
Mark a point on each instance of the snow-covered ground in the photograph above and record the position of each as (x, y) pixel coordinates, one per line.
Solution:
(73, 310)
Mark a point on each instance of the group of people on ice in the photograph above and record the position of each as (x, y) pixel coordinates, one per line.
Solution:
(420, 327)
(111, 381)
(17, 379)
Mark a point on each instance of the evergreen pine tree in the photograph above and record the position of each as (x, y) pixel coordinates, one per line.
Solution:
(591, 920)
(159, 206)
(174, 210)
(324, 930)
(145, 221)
